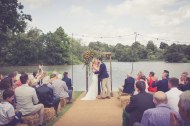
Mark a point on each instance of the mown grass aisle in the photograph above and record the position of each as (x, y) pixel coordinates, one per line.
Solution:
(65, 109)
(93, 113)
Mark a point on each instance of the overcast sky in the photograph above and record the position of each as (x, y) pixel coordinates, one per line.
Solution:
(88, 19)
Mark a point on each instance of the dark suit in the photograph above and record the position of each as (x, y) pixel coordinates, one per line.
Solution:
(138, 104)
(69, 85)
(45, 95)
(129, 85)
(162, 85)
(68, 82)
(102, 73)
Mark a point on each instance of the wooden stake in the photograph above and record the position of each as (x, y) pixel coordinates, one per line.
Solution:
(86, 78)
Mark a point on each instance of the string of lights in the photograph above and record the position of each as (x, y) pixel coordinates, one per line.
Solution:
(129, 35)
(102, 37)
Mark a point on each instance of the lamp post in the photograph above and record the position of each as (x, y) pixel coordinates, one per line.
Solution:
(72, 56)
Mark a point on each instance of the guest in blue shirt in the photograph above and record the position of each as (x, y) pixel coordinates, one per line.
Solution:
(162, 85)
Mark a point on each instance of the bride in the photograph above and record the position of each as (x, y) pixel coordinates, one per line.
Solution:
(93, 90)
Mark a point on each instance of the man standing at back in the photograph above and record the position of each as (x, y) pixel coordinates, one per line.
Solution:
(27, 100)
(138, 104)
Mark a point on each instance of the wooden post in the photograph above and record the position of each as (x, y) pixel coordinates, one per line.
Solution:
(111, 74)
(86, 78)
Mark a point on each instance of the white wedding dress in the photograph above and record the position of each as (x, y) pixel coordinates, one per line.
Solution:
(93, 90)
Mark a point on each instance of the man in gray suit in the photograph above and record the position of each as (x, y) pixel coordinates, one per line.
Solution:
(27, 100)
(59, 87)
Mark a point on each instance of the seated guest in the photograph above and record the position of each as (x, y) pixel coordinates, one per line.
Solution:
(8, 117)
(142, 78)
(162, 85)
(159, 116)
(184, 111)
(67, 80)
(138, 104)
(27, 100)
(37, 75)
(45, 94)
(4, 85)
(139, 75)
(150, 81)
(18, 82)
(34, 80)
(12, 76)
(129, 85)
(183, 78)
(173, 94)
(59, 87)
(185, 87)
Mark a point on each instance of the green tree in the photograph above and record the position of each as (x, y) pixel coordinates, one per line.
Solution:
(174, 53)
(150, 46)
(12, 22)
(174, 57)
(163, 45)
(23, 53)
(12, 16)
(139, 51)
(57, 47)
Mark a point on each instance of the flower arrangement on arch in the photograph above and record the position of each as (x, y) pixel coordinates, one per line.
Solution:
(88, 56)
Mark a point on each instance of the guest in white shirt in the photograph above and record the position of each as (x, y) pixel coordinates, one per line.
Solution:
(8, 116)
(27, 100)
(173, 94)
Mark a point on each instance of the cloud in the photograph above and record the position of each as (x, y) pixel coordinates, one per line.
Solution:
(102, 30)
(34, 4)
(157, 12)
(76, 11)
(89, 19)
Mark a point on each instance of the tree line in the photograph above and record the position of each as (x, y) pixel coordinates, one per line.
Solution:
(149, 52)
(21, 47)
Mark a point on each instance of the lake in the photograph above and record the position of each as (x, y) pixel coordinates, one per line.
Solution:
(120, 70)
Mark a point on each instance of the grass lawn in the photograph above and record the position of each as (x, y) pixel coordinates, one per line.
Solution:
(65, 109)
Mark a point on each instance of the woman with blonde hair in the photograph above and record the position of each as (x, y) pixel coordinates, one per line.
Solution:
(93, 89)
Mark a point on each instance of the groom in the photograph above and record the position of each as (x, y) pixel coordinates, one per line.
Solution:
(103, 80)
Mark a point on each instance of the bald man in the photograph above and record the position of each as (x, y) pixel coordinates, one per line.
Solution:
(159, 116)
